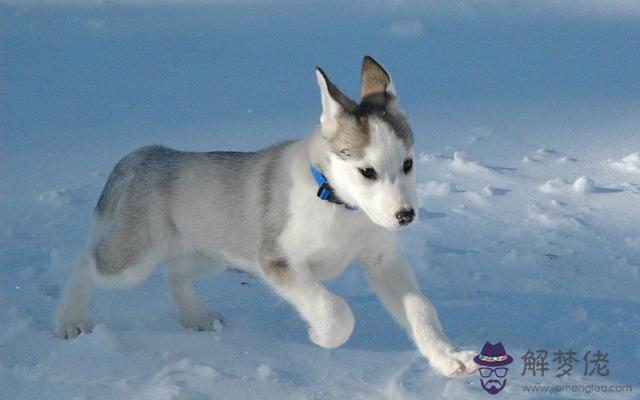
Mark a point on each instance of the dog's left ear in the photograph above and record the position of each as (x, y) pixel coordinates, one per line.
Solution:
(376, 84)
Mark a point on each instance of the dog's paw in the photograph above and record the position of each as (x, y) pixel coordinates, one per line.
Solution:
(69, 329)
(455, 363)
(334, 329)
(207, 320)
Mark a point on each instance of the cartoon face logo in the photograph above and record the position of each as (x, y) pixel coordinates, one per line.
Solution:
(493, 373)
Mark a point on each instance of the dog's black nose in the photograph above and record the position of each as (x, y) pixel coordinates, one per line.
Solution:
(405, 216)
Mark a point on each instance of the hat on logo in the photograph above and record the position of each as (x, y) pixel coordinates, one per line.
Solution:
(493, 355)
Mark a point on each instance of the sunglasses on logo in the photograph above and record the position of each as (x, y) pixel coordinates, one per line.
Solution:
(499, 372)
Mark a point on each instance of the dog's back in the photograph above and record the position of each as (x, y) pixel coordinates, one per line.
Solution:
(160, 199)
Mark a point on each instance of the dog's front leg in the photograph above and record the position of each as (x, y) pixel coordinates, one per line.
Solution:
(394, 283)
(329, 317)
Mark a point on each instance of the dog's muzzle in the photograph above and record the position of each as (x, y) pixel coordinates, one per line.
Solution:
(405, 216)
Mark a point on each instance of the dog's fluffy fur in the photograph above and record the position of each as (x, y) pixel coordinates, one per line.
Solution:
(199, 212)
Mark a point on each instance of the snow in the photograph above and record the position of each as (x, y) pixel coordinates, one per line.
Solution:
(406, 28)
(584, 185)
(629, 163)
(554, 186)
(64, 197)
(527, 157)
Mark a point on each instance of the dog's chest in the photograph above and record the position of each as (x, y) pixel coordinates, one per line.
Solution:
(327, 248)
(329, 263)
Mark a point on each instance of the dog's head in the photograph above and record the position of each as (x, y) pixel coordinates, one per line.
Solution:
(370, 148)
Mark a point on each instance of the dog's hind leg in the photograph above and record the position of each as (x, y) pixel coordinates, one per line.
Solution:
(192, 311)
(123, 257)
(72, 314)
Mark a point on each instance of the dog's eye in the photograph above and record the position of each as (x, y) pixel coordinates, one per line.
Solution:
(406, 167)
(369, 173)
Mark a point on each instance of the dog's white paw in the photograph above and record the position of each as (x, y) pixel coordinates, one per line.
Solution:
(71, 328)
(336, 328)
(455, 363)
(205, 320)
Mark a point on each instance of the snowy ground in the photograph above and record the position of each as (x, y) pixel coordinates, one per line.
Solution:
(527, 124)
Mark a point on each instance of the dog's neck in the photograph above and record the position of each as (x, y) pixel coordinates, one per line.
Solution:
(318, 160)
(318, 151)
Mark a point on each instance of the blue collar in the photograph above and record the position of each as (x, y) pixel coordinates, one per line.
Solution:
(325, 191)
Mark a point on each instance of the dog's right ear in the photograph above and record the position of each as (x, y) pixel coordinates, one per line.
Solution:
(334, 103)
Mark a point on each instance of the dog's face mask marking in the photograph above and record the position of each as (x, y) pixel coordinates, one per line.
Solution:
(370, 148)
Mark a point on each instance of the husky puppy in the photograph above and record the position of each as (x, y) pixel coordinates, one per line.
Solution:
(296, 214)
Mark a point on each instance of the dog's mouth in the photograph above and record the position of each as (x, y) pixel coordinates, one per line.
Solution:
(389, 224)
(380, 220)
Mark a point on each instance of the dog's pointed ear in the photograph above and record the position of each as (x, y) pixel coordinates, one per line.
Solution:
(376, 83)
(334, 102)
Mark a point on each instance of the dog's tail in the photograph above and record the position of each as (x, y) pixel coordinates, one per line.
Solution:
(114, 188)
(113, 192)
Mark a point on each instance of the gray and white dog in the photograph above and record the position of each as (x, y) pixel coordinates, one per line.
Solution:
(296, 214)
